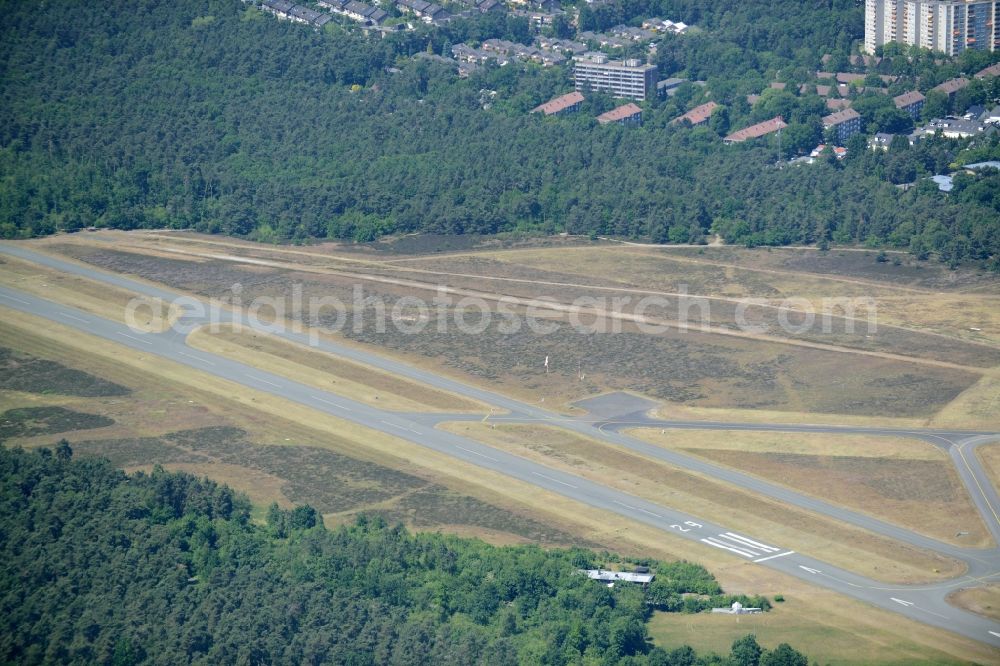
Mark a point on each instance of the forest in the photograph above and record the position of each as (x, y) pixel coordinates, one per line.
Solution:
(97, 566)
(209, 115)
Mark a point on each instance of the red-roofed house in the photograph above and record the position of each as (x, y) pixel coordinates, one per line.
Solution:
(698, 115)
(567, 103)
(755, 131)
(629, 114)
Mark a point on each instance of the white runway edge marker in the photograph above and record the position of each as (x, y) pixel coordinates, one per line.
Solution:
(549, 478)
(197, 358)
(74, 318)
(263, 381)
(132, 337)
(401, 427)
(329, 402)
(637, 508)
(475, 453)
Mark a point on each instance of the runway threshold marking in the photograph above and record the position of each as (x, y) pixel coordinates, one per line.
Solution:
(711, 541)
(771, 557)
(750, 542)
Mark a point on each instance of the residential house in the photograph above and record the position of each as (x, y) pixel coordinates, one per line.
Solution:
(567, 103)
(628, 115)
(846, 123)
(952, 86)
(698, 115)
(880, 141)
(755, 131)
(911, 102)
(992, 70)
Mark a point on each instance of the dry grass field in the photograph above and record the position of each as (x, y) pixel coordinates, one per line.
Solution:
(903, 481)
(838, 543)
(325, 371)
(691, 368)
(983, 600)
(990, 457)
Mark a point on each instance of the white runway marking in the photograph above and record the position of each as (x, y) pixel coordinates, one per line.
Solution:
(199, 359)
(475, 453)
(74, 318)
(718, 544)
(995, 634)
(555, 480)
(812, 571)
(750, 542)
(329, 402)
(16, 300)
(130, 337)
(263, 381)
(401, 427)
(771, 557)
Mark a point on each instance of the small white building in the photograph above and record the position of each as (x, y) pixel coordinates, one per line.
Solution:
(611, 577)
(737, 609)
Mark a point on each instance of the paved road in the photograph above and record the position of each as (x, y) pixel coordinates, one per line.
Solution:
(924, 603)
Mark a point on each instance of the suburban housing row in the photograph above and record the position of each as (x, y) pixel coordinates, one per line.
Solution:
(627, 114)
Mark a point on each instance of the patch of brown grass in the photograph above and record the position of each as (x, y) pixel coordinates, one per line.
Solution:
(328, 372)
(907, 482)
(982, 600)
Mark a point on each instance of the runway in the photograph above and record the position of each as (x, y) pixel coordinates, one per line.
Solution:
(925, 603)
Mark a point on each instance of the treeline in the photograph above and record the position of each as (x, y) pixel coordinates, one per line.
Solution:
(207, 114)
(100, 567)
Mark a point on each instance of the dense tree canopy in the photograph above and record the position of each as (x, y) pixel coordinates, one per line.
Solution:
(207, 114)
(100, 567)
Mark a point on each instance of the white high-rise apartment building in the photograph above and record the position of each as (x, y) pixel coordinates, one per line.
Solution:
(950, 26)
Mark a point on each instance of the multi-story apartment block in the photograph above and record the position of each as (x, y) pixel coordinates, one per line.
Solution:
(949, 26)
(631, 79)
